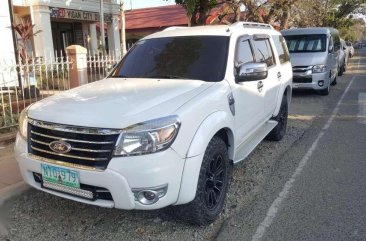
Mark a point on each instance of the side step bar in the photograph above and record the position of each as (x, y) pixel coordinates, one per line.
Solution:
(248, 146)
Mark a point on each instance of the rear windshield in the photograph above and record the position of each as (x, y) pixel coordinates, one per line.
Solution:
(189, 57)
(306, 43)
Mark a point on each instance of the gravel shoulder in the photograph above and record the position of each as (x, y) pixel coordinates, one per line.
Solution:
(39, 216)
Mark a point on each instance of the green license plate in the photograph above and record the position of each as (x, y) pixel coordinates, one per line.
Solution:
(60, 175)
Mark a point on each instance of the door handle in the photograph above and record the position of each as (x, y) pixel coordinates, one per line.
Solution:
(260, 86)
(279, 75)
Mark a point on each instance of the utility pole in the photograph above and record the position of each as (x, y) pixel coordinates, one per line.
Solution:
(123, 28)
(102, 26)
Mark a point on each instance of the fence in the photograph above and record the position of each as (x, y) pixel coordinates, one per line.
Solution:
(27, 82)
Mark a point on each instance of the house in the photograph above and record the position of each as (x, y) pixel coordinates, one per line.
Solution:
(145, 21)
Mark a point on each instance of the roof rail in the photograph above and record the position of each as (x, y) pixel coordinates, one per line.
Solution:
(173, 28)
(251, 25)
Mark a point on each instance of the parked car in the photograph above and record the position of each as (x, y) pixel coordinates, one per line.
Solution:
(357, 45)
(314, 56)
(164, 128)
(343, 58)
(350, 49)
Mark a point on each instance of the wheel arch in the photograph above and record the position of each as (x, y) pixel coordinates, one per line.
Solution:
(219, 124)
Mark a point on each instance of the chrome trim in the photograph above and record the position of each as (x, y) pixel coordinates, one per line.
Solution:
(69, 190)
(64, 164)
(72, 140)
(73, 148)
(74, 129)
(70, 156)
(302, 69)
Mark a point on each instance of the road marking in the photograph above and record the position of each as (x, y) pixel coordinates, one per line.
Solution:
(362, 107)
(273, 210)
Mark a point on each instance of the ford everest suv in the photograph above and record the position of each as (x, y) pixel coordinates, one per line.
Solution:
(166, 126)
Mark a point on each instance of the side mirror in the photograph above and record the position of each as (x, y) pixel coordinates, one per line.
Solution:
(251, 72)
(330, 50)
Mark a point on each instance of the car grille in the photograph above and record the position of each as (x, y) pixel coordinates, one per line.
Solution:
(302, 80)
(89, 147)
(301, 69)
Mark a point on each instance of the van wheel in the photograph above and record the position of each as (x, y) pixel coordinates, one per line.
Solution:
(334, 81)
(341, 70)
(213, 183)
(280, 130)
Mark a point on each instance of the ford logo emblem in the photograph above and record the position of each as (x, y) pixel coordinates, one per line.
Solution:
(60, 147)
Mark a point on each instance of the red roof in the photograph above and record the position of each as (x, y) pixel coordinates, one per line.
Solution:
(156, 17)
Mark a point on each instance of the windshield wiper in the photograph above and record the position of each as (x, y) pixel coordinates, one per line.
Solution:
(119, 76)
(165, 76)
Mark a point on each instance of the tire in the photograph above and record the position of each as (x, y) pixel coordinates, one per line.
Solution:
(341, 70)
(213, 183)
(334, 81)
(280, 130)
(327, 89)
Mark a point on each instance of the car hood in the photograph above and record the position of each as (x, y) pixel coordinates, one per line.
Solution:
(117, 102)
(307, 59)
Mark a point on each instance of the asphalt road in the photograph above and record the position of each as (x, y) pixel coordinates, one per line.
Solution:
(324, 196)
(309, 186)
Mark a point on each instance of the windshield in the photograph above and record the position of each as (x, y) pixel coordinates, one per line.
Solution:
(188, 57)
(306, 43)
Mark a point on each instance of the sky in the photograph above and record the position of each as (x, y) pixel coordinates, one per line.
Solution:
(146, 3)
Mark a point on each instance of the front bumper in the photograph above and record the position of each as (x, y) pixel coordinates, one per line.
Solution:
(310, 81)
(122, 175)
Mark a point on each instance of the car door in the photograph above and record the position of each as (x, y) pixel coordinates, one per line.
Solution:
(249, 97)
(263, 49)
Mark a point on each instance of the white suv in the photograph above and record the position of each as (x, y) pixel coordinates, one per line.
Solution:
(166, 126)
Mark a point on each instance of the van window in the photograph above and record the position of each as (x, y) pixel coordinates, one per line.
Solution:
(306, 43)
(281, 47)
(244, 53)
(263, 52)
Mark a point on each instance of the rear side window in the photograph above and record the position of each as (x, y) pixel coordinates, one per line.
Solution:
(281, 47)
(263, 52)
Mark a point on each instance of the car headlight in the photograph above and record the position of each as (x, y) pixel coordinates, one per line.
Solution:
(147, 137)
(23, 123)
(320, 68)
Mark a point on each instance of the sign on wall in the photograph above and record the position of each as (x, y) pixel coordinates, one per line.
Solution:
(77, 15)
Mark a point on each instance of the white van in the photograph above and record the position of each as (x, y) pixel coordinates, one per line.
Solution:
(314, 54)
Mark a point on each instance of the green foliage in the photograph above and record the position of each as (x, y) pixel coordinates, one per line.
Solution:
(6, 118)
(197, 9)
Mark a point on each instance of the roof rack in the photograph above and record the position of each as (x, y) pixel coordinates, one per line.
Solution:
(251, 25)
(173, 28)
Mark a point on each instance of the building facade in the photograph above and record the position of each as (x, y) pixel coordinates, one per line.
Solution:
(66, 22)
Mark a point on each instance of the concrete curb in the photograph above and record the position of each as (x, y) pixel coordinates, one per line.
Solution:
(12, 191)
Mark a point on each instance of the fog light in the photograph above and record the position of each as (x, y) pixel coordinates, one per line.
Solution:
(321, 82)
(149, 196)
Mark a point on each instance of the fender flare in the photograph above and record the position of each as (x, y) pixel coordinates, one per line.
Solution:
(209, 127)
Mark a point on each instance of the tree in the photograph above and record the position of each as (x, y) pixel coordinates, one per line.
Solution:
(25, 31)
(197, 10)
